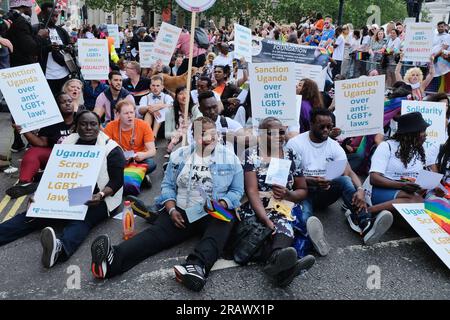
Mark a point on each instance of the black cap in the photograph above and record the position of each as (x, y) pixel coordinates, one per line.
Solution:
(411, 122)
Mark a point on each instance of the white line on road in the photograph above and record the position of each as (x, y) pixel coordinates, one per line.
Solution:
(381, 245)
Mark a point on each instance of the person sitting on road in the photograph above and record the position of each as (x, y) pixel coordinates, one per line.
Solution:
(153, 106)
(106, 102)
(316, 149)
(105, 200)
(42, 143)
(134, 136)
(443, 166)
(282, 265)
(204, 170)
(396, 164)
(228, 92)
(74, 88)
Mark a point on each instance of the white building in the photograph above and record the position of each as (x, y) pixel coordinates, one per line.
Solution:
(439, 10)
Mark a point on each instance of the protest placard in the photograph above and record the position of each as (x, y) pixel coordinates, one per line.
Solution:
(311, 71)
(418, 42)
(434, 114)
(165, 43)
(113, 31)
(93, 58)
(242, 42)
(434, 236)
(273, 92)
(28, 94)
(69, 167)
(145, 54)
(360, 106)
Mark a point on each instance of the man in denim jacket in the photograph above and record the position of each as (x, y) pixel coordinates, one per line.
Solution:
(205, 169)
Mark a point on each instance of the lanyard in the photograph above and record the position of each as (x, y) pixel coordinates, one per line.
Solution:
(131, 140)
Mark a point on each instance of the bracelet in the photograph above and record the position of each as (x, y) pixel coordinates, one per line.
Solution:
(172, 210)
(360, 188)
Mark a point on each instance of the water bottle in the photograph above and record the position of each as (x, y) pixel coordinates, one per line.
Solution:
(127, 221)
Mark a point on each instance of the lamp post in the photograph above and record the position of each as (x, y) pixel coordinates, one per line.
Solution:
(341, 12)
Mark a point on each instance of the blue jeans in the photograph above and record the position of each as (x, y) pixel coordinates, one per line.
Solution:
(151, 165)
(74, 233)
(321, 199)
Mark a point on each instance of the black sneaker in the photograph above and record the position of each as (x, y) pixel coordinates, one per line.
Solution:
(140, 209)
(192, 276)
(353, 221)
(51, 247)
(280, 260)
(102, 256)
(284, 278)
(17, 147)
(316, 234)
(378, 227)
(21, 189)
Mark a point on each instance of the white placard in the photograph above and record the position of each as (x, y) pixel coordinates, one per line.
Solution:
(196, 5)
(242, 42)
(278, 171)
(145, 54)
(311, 71)
(418, 42)
(335, 169)
(113, 31)
(434, 236)
(94, 58)
(428, 180)
(273, 91)
(29, 97)
(360, 106)
(69, 166)
(165, 43)
(434, 114)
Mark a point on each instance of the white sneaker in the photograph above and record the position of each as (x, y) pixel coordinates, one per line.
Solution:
(382, 223)
(51, 247)
(316, 234)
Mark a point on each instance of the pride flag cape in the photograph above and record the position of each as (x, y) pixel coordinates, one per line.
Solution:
(133, 175)
(439, 211)
(218, 212)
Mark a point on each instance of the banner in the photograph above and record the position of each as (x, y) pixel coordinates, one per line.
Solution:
(113, 31)
(272, 89)
(242, 42)
(29, 97)
(93, 58)
(418, 42)
(145, 54)
(310, 71)
(434, 236)
(434, 114)
(360, 106)
(69, 167)
(165, 43)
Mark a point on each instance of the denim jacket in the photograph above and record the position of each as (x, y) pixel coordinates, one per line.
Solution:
(226, 172)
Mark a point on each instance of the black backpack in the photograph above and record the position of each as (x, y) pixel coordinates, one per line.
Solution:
(201, 38)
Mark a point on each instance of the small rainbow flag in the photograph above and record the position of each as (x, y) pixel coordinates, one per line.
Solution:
(133, 175)
(439, 211)
(359, 55)
(219, 212)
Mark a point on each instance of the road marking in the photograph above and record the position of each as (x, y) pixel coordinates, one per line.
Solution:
(380, 245)
(4, 203)
(12, 212)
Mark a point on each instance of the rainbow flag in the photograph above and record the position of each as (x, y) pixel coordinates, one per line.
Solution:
(359, 55)
(439, 211)
(219, 212)
(133, 175)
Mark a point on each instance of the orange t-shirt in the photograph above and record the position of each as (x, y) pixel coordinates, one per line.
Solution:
(142, 134)
(319, 24)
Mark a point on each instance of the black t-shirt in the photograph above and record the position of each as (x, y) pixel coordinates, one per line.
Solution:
(56, 132)
(141, 89)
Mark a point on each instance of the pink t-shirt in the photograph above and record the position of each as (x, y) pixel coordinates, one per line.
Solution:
(183, 45)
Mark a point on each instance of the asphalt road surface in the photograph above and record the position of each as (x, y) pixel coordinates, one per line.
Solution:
(401, 266)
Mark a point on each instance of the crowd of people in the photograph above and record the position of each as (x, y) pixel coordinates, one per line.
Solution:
(213, 153)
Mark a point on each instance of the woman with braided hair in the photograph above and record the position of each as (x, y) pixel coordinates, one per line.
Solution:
(396, 164)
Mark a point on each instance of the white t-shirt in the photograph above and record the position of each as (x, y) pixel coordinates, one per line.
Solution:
(55, 71)
(152, 99)
(222, 60)
(194, 96)
(314, 156)
(394, 44)
(385, 162)
(338, 53)
(197, 168)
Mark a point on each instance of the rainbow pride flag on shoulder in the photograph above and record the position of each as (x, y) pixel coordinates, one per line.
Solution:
(439, 211)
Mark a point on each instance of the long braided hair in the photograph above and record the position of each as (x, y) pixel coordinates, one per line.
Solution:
(410, 147)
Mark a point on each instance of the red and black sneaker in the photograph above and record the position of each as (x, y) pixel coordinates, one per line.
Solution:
(102, 256)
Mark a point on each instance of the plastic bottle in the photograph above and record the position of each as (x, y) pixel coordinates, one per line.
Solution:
(127, 221)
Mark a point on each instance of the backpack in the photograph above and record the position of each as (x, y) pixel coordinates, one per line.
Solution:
(201, 38)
